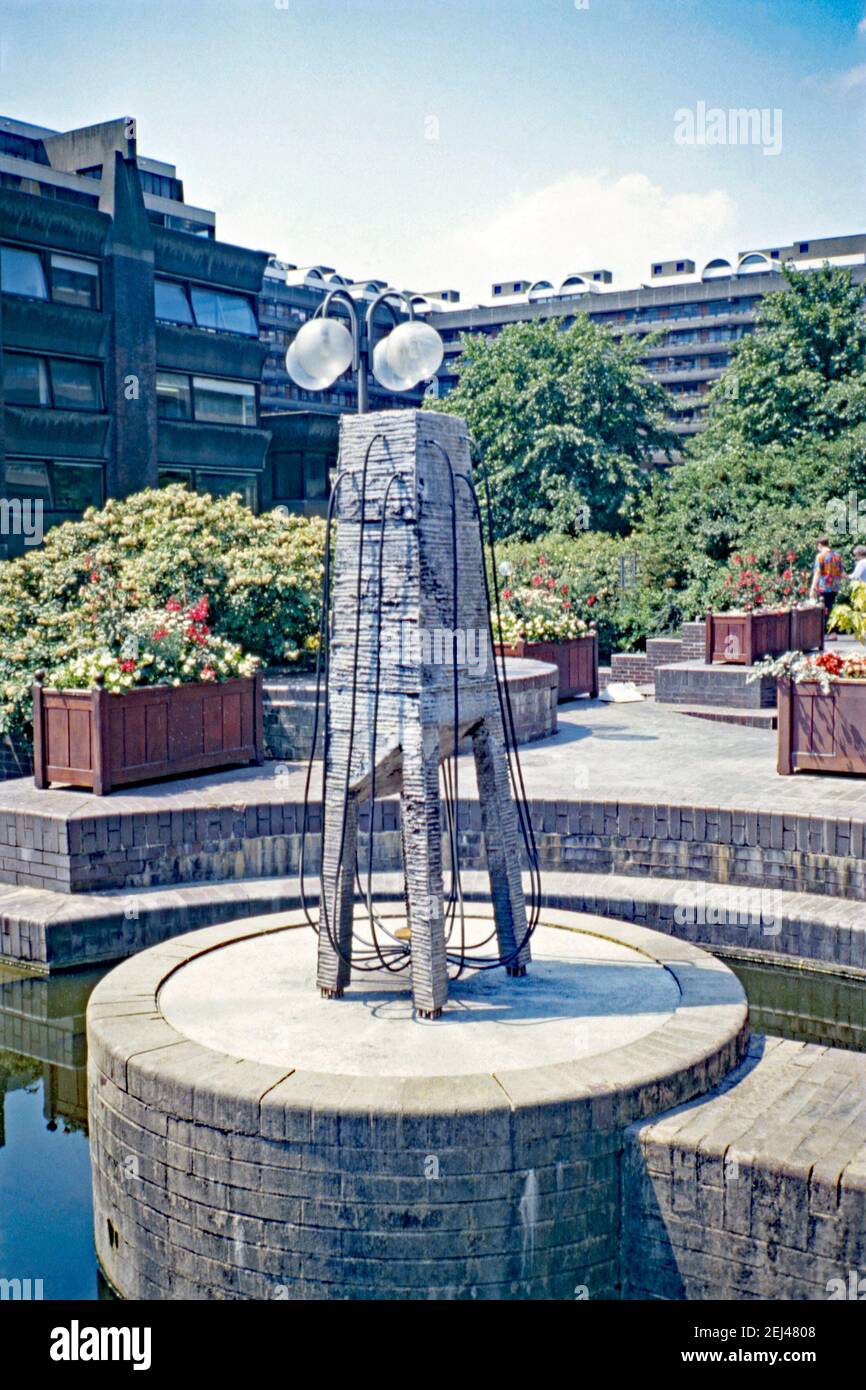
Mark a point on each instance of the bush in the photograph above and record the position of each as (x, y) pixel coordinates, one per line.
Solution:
(261, 575)
(587, 566)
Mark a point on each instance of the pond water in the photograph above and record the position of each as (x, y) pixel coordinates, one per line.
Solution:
(45, 1200)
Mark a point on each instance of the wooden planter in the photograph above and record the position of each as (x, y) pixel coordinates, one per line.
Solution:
(744, 638)
(822, 733)
(89, 738)
(576, 660)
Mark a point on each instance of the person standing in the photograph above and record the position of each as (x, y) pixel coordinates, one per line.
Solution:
(859, 570)
(826, 579)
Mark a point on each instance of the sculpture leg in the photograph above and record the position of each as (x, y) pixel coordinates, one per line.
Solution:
(502, 843)
(338, 893)
(422, 838)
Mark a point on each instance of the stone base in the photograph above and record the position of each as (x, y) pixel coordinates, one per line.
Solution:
(251, 1140)
(694, 683)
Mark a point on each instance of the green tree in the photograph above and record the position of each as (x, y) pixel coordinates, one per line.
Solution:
(802, 373)
(565, 418)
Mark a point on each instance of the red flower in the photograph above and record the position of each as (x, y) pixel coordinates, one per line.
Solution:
(94, 577)
(506, 593)
(128, 665)
(160, 633)
(564, 589)
(208, 673)
(566, 604)
(199, 611)
(830, 662)
(536, 580)
(542, 559)
(173, 606)
(551, 583)
(591, 600)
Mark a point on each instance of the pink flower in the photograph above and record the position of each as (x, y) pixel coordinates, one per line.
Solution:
(208, 673)
(536, 581)
(128, 665)
(173, 606)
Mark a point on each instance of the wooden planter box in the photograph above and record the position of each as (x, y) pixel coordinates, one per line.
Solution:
(744, 638)
(576, 660)
(822, 733)
(88, 738)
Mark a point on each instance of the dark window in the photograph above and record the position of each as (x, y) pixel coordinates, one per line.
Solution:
(161, 185)
(25, 380)
(75, 385)
(27, 479)
(173, 396)
(497, 289)
(60, 486)
(22, 272)
(167, 476)
(222, 484)
(74, 281)
(774, 255)
(21, 147)
(223, 311)
(804, 247)
(657, 270)
(681, 265)
(172, 304)
(76, 487)
(224, 402)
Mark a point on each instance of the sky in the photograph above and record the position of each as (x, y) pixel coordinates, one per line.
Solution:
(451, 143)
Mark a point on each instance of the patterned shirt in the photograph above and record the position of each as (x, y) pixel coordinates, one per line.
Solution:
(829, 571)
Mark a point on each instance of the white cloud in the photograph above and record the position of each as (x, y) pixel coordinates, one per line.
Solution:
(580, 222)
(853, 78)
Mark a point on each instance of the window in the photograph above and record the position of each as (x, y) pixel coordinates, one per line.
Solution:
(222, 311)
(173, 396)
(75, 385)
(64, 384)
(657, 270)
(804, 247)
(21, 272)
(681, 265)
(74, 281)
(60, 487)
(77, 486)
(28, 479)
(224, 402)
(25, 380)
(171, 300)
(218, 484)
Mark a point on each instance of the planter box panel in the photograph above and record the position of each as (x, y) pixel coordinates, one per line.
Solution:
(576, 660)
(822, 732)
(91, 738)
(807, 628)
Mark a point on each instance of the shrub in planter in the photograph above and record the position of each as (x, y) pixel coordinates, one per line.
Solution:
(538, 621)
(262, 575)
(821, 711)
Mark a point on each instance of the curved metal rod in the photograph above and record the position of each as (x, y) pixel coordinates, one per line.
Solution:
(345, 298)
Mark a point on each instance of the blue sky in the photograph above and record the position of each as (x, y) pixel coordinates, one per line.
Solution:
(453, 142)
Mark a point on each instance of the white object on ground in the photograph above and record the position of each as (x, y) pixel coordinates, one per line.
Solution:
(621, 693)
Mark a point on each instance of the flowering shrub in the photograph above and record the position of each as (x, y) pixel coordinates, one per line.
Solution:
(747, 587)
(541, 610)
(167, 646)
(824, 668)
(851, 616)
(85, 589)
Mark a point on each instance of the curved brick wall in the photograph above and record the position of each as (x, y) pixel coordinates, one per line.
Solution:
(220, 1178)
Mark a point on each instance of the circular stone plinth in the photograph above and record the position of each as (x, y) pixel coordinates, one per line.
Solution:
(285, 1146)
(257, 998)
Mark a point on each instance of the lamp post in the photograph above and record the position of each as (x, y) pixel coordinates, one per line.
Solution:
(324, 348)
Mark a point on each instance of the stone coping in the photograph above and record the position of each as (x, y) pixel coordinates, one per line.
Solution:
(133, 1045)
(520, 672)
(44, 931)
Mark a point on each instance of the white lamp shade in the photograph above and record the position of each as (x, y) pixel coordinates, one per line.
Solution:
(302, 378)
(414, 351)
(383, 371)
(323, 348)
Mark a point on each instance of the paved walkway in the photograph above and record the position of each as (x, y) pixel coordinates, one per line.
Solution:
(602, 752)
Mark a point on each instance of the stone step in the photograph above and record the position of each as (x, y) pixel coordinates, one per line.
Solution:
(46, 931)
(745, 718)
(694, 683)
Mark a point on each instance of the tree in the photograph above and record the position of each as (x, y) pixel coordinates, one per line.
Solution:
(565, 418)
(802, 372)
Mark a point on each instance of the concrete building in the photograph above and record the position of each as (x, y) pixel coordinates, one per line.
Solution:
(700, 315)
(129, 336)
